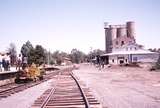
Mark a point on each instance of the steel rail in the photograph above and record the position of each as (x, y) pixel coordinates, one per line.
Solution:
(50, 94)
(82, 92)
(47, 98)
(43, 105)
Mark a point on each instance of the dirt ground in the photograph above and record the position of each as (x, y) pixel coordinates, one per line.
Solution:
(26, 98)
(122, 87)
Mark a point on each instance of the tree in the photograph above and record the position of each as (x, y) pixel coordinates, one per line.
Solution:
(31, 56)
(77, 56)
(95, 53)
(13, 53)
(57, 56)
(25, 49)
(40, 54)
(36, 55)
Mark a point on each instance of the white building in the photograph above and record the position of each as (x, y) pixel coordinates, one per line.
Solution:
(121, 46)
(131, 53)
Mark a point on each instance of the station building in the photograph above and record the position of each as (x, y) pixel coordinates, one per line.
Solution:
(121, 46)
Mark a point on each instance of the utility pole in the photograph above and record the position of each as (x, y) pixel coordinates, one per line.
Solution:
(90, 54)
(48, 56)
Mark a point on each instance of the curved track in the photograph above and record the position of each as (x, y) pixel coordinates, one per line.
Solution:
(67, 92)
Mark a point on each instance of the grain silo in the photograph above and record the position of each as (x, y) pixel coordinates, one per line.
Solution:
(121, 31)
(109, 34)
(113, 31)
(130, 29)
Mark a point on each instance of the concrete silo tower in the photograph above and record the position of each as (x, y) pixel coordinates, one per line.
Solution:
(116, 36)
(113, 32)
(110, 34)
(130, 29)
(121, 31)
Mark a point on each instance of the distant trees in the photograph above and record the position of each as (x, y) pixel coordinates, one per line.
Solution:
(36, 55)
(77, 56)
(155, 50)
(157, 65)
(58, 57)
(13, 53)
(40, 55)
(95, 53)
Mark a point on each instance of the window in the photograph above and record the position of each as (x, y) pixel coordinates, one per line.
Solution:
(112, 60)
(126, 60)
(135, 48)
(135, 59)
(122, 43)
(121, 61)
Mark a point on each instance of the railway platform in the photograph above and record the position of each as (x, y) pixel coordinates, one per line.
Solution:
(8, 76)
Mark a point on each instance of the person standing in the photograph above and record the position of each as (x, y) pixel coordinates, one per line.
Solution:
(8, 61)
(19, 62)
(24, 62)
(102, 63)
(4, 64)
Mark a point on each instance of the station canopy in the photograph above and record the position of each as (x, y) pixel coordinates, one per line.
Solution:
(139, 51)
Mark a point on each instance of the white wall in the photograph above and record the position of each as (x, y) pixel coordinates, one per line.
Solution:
(135, 58)
(117, 59)
(146, 57)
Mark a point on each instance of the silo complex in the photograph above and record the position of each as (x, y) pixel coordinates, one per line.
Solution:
(118, 35)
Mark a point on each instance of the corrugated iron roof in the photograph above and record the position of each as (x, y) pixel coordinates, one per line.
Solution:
(139, 51)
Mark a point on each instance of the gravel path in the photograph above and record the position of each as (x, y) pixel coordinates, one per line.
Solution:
(25, 98)
(122, 87)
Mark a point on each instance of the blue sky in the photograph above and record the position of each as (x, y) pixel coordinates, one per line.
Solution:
(66, 24)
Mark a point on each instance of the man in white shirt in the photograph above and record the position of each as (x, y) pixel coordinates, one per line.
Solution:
(19, 62)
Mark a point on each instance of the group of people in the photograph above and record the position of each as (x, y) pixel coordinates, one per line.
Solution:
(98, 61)
(4, 62)
(21, 62)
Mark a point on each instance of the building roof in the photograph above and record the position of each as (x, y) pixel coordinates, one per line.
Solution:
(139, 51)
(66, 58)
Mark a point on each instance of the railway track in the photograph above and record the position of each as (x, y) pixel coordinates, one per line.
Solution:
(12, 88)
(67, 92)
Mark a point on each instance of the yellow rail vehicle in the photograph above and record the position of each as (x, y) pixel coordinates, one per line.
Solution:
(31, 73)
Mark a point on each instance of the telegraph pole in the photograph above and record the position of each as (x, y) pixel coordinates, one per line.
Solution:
(48, 56)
